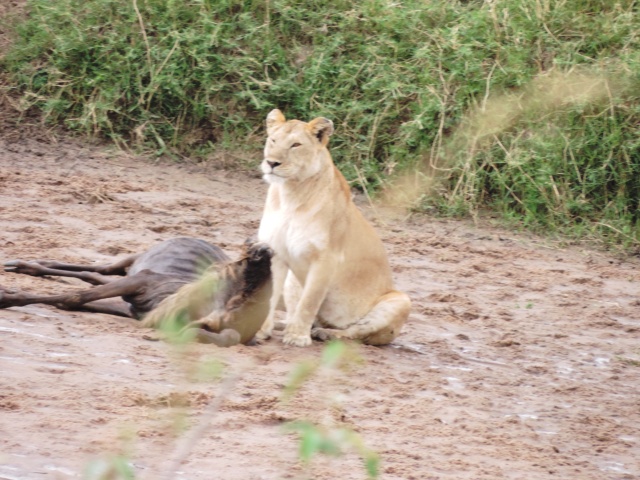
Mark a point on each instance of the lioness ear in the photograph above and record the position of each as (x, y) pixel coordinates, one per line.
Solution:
(322, 128)
(274, 119)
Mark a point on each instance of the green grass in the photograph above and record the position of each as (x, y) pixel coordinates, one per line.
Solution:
(467, 93)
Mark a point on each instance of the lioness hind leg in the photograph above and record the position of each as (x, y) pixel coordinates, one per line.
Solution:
(380, 326)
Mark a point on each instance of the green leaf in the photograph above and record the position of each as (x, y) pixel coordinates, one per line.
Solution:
(310, 443)
(300, 373)
(333, 353)
(372, 465)
(114, 468)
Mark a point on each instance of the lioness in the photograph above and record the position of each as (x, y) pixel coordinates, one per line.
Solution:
(328, 261)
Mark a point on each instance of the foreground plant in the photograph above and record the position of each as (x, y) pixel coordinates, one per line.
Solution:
(327, 438)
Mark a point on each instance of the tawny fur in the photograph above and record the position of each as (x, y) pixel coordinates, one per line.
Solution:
(329, 264)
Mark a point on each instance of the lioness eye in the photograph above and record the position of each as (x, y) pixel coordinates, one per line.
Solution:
(295, 145)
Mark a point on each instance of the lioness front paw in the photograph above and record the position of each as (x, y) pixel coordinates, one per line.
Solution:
(296, 340)
(296, 335)
(265, 331)
(262, 336)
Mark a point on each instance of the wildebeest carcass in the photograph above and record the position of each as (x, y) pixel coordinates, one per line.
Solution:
(183, 278)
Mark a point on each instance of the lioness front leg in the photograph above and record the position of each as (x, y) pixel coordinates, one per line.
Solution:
(279, 271)
(298, 330)
(378, 327)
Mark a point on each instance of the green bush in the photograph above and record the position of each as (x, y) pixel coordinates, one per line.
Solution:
(401, 80)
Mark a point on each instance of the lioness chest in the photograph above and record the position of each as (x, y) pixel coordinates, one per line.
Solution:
(298, 238)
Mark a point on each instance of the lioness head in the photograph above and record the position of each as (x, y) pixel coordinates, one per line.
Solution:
(295, 150)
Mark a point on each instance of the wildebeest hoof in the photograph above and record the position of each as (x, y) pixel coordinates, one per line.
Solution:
(19, 266)
(226, 338)
(8, 297)
(11, 265)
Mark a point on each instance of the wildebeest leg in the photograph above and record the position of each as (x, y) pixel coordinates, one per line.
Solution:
(75, 300)
(116, 268)
(42, 268)
(110, 307)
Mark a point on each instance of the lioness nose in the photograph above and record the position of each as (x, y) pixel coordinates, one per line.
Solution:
(273, 164)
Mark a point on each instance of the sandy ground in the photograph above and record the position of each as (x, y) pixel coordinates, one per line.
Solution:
(519, 361)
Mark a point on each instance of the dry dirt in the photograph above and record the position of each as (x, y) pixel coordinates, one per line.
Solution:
(519, 361)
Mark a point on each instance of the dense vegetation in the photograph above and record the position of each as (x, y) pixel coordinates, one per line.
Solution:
(529, 107)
